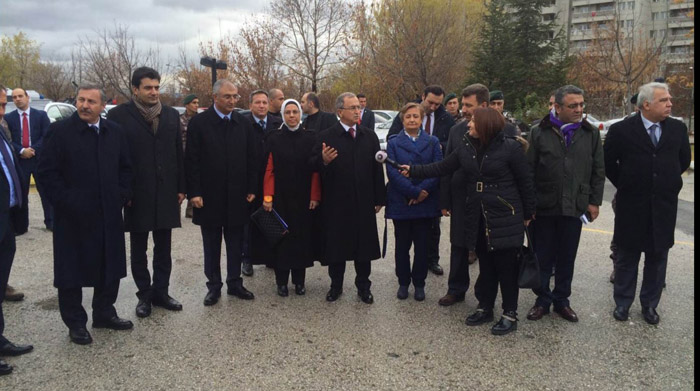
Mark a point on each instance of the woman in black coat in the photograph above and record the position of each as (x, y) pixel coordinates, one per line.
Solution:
(294, 190)
(500, 188)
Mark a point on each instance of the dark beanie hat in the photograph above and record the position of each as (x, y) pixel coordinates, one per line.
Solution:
(189, 98)
(633, 99)
(496, 95)
(449, 96)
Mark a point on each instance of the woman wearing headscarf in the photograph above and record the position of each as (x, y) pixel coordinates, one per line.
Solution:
(294, 190)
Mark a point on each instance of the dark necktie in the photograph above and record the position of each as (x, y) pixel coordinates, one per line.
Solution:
(95, 129)
(652, 134)
(25, 130)
(13, 171)
(427, 124)
(262, 124)
(352, 132)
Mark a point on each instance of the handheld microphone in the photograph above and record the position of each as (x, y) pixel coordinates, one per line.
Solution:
(382, 157)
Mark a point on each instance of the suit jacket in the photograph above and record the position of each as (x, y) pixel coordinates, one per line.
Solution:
(367, 119)
(8, 215)
(272, 125)
(319, 121)
(648, 180)
(38, 127)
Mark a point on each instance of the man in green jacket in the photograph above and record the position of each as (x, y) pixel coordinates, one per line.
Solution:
(566, 155)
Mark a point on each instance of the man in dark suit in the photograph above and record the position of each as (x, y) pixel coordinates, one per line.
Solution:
(222, 177)
(316, 120)
(353, 192)
(86, 168)
(155, 143)
(645, 155)
(28, 127)
(11, 198)
(366, 115)
(276, 99)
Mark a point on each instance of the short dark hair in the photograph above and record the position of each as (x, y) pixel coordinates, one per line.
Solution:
(488, 122)
(434, 89)
(361, 95)
(479, 90)
(257, 92)
(142, 73)
(313, 98)
(564, 91)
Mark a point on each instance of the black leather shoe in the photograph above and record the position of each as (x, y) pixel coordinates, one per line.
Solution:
(507, 324)
(567, 313)
(114, 323)
(143, 308)
(12, 294)
(621, 313)
(612, 277)
(240, 292)
(402, 293)
(80, 336)
(419, 294)
(212, 297)
(247, 268)
(282, 290)
(299, 289)
(5, 368)
(650, 315)
(366, 296)
(333, 294)
(10, 349)
(481, 316)
(436, 269)
(167, 302)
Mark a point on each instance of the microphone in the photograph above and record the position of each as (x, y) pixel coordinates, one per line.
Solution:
(382, 157)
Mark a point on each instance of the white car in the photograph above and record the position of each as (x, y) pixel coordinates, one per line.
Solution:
(384, 115)
(382, 130)
(55, 110)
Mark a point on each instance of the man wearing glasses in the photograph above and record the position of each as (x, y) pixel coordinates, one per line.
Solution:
(566, 155)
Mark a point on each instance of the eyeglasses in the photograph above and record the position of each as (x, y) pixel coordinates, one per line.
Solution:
(575, 105)
(352, 108)
(233, 96)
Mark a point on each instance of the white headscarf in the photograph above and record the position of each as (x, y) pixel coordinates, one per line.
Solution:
(284, 104)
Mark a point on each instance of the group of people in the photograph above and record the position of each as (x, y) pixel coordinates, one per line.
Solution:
(132, 171)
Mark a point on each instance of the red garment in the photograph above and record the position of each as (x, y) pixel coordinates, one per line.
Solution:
(269, 182)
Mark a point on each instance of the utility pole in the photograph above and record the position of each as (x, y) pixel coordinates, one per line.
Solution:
(211, 62)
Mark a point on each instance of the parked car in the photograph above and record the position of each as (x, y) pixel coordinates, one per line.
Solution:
(384, 115)
(382, 129)
(55, 110)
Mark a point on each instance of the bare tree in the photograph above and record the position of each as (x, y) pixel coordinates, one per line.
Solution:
(252, 56)
(53, 80)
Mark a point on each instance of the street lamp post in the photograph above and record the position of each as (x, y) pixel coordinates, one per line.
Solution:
(211, 62)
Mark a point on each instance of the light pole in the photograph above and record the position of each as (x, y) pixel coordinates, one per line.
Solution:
(692, 95)
(211, 62)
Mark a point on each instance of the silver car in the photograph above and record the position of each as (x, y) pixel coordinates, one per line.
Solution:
(55, 110)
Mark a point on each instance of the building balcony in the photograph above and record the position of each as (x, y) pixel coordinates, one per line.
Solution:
(680, 21)
(579, 3)
(679, 6)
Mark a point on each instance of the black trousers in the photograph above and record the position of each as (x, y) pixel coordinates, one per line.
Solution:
(162, 263)
(555, 239)
(211, 238)
(336, 271)
(497, 268)
(434, 242)
(458, 280)
(70, 304)
(282, 276)
(653, 277)
(407, 232)
(7, 255)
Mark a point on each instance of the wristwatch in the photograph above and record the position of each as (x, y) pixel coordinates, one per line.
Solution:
(267, 198)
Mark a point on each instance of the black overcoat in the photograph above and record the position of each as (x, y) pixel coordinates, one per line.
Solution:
(648, 181)
(453, 193)
(353, 184)
(158, 165)
(319, 121)
(221, 166)
(87, 178)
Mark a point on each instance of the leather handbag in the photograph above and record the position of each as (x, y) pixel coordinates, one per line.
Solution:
(272, 226)
(529, 267)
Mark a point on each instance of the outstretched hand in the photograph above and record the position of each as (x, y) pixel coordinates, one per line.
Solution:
(329, 154)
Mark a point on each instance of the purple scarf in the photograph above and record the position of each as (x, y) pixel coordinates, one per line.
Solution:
(567, 130)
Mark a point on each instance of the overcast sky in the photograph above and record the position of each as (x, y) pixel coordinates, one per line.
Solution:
(167, 24)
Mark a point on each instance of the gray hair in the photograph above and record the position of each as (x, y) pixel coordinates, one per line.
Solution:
(103, 96)
(646, 92)
(257, 92)
(340, 100)
(220, 83)
(561, 92)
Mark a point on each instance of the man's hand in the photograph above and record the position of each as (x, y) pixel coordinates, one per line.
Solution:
(28, 153)
(329, 154)
(422, 196)
(267, 206)
(313, 204)
(197, 202)
(377, 208)
(445, 212)
(180, 198)
(405, 170)
(250, 197)
(527, 223)
(593, 210)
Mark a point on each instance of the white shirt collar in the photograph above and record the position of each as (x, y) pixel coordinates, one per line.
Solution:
(222, 115)
(648, 124)
(347, 127)
(24, 111)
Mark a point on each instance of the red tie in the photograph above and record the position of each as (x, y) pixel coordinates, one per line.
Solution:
(427, 124)
(352, 132)
(359, 120)
(25, 131)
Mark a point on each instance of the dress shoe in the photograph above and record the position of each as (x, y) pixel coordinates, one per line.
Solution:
(143, 308)
(247, 268)
(5, 368)
(240, 292)
(419, 294)
(537, 312)
(567, 313)
(11, 294)
(436, 269)
(10, 349)
(612, 276)
(333, 294)
(366, 296)
(212, 297)
(114, 323)
(650, 315)
(402, 293)
(507, 324)
(80, 336)
(299, 289)
(282, 290)
(167, 302)
(621, 313)
(450, 299)
(481, 316)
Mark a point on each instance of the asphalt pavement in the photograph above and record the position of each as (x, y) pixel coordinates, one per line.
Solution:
(305, 343)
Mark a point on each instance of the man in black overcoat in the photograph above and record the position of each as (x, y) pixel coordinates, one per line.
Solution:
(316, 120)
(366, 116)
(155, 142)
(86, 168)
(645, 156)
(353, 192)
(221, 167)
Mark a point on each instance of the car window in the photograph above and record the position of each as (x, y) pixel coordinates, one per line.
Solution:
(54, 113)
(66, 111)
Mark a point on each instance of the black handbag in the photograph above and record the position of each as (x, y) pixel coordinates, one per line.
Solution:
(272, 226)
(529, 273)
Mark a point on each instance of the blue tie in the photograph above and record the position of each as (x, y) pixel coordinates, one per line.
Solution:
(13, 172)
(96, 129)
(652, 134)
